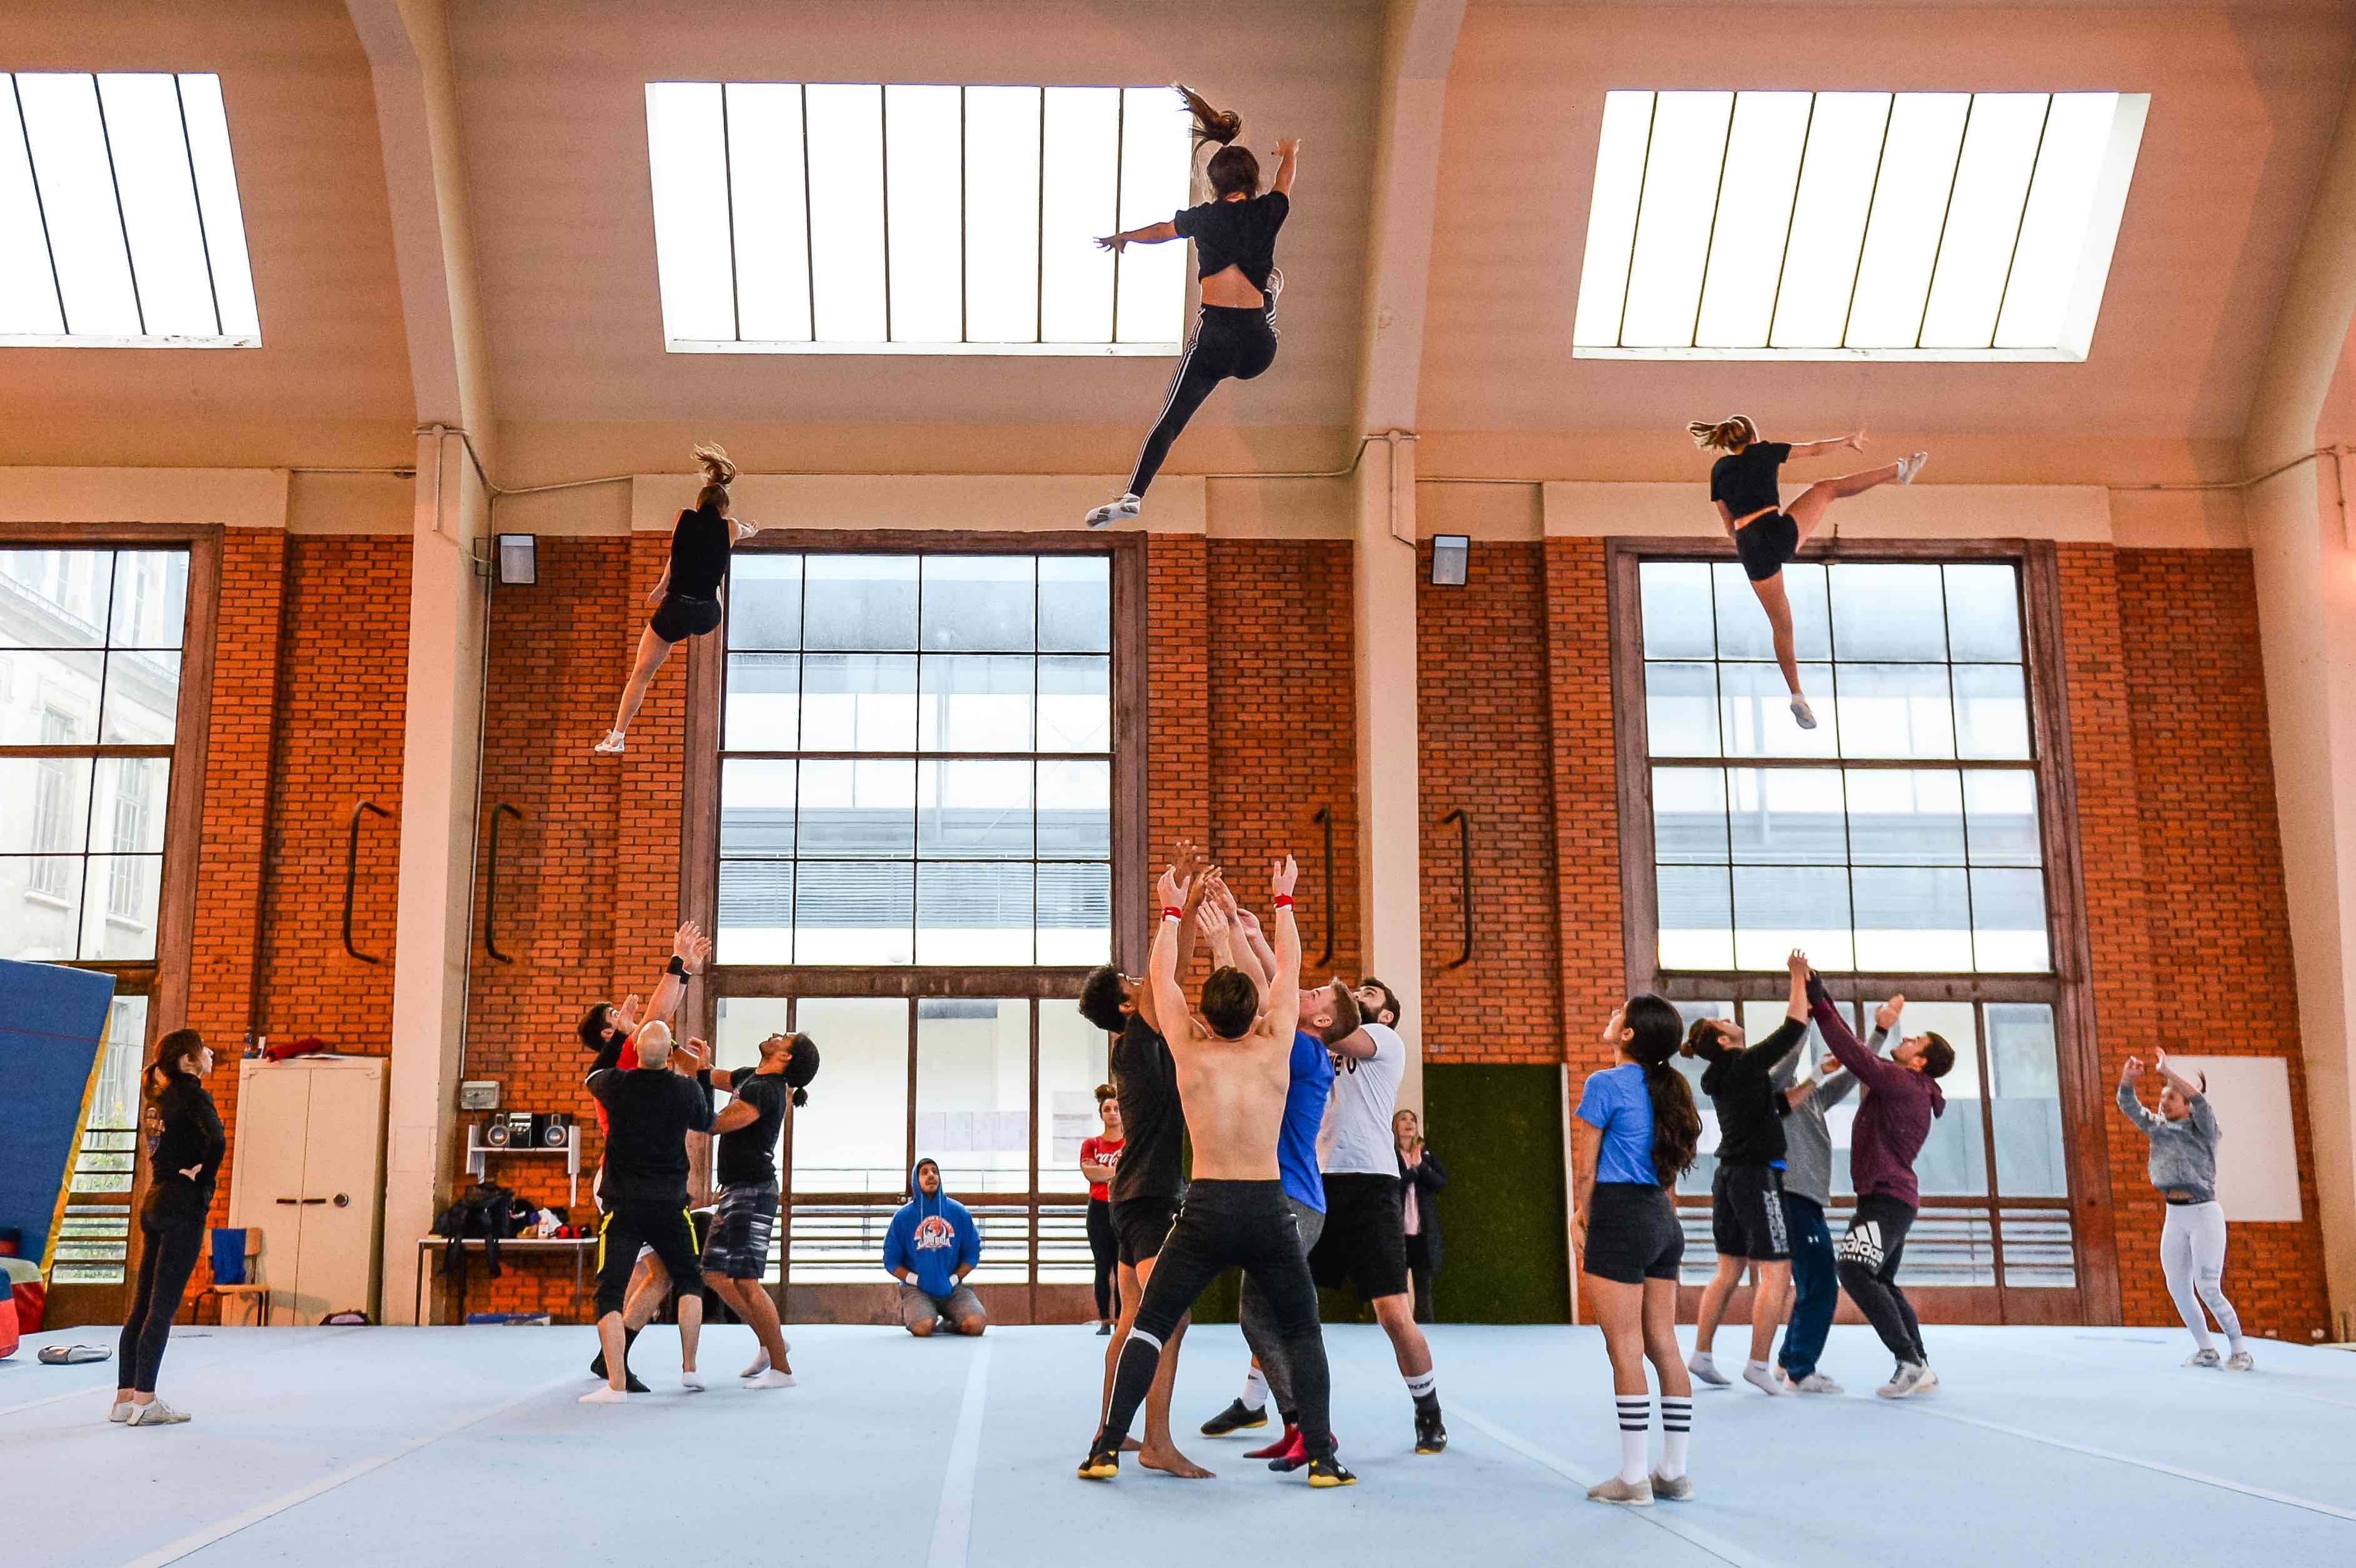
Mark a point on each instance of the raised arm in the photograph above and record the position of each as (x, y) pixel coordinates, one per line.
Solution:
(689, 948)
(1284, 986)
(2145, 1119)
(1151, 234)
(1287, 163)
(1230, 954)
(1836, 443)
(2177, 1081)
(1870, 1069)
(1255, 938)
(1162, 968)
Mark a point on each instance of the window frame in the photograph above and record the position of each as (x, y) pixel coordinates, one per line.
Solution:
(2066, 988)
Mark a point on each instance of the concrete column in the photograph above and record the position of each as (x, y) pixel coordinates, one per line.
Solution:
(1390, 809)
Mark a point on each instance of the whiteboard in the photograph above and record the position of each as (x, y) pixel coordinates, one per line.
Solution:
(2257, 1159)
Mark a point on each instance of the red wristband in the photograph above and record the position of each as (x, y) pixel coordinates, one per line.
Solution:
(1172, 911)
(1284, 901)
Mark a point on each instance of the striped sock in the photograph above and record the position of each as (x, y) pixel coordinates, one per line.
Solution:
(1635, 1418)
(1423, 1386)
(1676, 1428)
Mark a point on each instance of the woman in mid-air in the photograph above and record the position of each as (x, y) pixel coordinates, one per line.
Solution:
(1743, 486)
(686, 599)
(1235, 249)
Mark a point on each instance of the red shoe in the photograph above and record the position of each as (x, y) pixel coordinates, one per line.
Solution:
(1296, 1453)
(1288, 1444)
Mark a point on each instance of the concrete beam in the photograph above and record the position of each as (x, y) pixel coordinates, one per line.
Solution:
(1419, 45)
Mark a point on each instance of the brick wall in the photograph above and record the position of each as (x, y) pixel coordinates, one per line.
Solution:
(1586, 777)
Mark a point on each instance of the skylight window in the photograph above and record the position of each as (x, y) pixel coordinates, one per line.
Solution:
(119, 218)
(859, 219)
(1854, 225)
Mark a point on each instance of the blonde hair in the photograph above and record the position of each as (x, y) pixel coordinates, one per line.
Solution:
(1211, 125)
(1733, 432)
(719, 472)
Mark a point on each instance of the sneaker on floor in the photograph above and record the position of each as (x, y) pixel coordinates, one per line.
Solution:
(692, 1381)
(770, 1378)
(1909, 465)
(1430, 1436)
(1112, 512)
(604, 1396)
(1295, 1454)
(760, 1364)
(1238, 1417)
(1668, 1491)
(1103, 1330)
(1277, 1450)
(2241, 1361)
(1928, 1382)
(1328, 1472)
(1904, 1382)
(1802, 714)
(1765, 1379)
(2204, 1359)
(156, 1412)
(1101, 1465)
(1627, 1494)
(121, 1411)
(1815, 1383)
(611, 746)
(1702, 1366)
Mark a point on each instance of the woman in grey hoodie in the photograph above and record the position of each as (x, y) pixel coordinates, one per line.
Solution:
(2184, 1137)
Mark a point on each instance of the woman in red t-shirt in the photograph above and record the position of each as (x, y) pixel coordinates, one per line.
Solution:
(1098, 1157)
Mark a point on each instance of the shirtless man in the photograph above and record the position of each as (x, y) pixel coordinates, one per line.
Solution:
(1234, 1069)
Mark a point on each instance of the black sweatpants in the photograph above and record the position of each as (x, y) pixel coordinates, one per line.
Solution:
(1225, 1224)
(167, 1255)
(1869, 1252)
(1418, 1272)
(1229, 340)
(1105, 1247)
(628, 1226)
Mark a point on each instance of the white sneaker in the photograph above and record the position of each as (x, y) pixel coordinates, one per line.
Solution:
(1802, 714)
(692, 1381)
(156, 1412)
(1909, 465)
(1902, 1382)
(2241, 1361)
(604, 1396)
(2204, 1359)
(1702, 1366)
(1815, 1383)
(1668, 1489)
(122, 1411)
(1765, 1379)
(1927, 1384)
(1628, 1494)
(1118, 511)
(771, 1380)
(611, 746)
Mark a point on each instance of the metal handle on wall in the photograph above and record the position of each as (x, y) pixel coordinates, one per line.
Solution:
(1325, 818)
(1463, 821)
(352, 873)
(491, 893)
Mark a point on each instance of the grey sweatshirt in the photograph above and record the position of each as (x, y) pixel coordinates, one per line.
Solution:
(2183, 1154)
(1808, 1141)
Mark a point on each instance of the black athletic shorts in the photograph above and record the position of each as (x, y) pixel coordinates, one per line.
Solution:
(1765, 543)
(619, 1235)
(1364, 1244)
(1142, 1224)
(1746, 1213)
(681, 617)
(1632, 1233)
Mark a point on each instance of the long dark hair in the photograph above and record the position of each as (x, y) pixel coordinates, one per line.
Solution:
(175, 1057)
(1677, 1125)
(1232, 171)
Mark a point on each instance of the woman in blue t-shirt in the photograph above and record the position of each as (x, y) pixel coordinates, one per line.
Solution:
(1635, 1132)
(1235, 251)
(1742, 487)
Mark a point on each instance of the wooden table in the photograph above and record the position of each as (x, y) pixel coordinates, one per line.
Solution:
(577, 1245)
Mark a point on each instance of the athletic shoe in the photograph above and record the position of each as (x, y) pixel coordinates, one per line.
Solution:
(603, 1396)
(1802, 714)
(1904, 1382)
(1668, 1491)
(770, 1379)
(122, 1411)
(1627, 1494)
(1103, 1330)
(1815, 1383)
(1238, 1417)
(1702, 1366)
(1911, 465)
(1430, 1436)
(154, 1413)
(1118, 511)
(1928, 1382)
(1328, 1472)
(1101, 1465)
(2204, 1359)
(692, 1382)
(2241, 1361)
(1766, 1379)
(611, 746)
(1277, 1450)
(1295, 1454)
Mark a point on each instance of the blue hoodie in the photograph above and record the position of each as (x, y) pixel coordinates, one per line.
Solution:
(932, 1237)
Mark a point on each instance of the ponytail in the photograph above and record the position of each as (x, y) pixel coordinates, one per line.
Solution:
(802, 1066)
(719, 473)
(173, 1053)
(1731, 434)
(1211, 125)
(1677, 1125)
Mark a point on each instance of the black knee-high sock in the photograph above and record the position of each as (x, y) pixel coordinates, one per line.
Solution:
(629, 1338)
(1132, 1379)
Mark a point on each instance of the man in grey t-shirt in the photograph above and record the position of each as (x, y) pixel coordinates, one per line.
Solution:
(1808, 1193)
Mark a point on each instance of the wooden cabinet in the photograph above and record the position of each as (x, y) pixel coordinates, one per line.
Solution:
(309, 1175)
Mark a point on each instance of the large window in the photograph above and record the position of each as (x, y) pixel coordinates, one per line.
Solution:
(857, 217)
(1908, 844)
(119, 218)
(1869, 225)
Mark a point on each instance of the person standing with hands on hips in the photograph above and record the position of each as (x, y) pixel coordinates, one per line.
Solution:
(1422, 1180)
(1099, 1162)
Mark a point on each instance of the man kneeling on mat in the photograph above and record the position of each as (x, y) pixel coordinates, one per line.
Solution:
(932, 1245)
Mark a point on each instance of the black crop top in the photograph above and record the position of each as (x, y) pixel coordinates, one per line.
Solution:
(699, 554)
(1240, 234)
(1745, 480)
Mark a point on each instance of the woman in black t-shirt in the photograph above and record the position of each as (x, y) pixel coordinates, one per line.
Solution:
(1235, 249)
(1742, 487)
(687, 599)
(184, 1144)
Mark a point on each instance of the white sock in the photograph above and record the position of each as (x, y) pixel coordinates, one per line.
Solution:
(1255, 1394)
(1635, 1418)
(760, 1364)
(604, 1397)
(1677, 1429)
(771, 1377)
(1420, 1384)
(692, 1380)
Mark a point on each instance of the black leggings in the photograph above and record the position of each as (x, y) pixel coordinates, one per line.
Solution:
(1868, 1254)
(1224, 1224)
(1105, 1248)
(1229, 340)
(167, 1255)
(1418, 1271)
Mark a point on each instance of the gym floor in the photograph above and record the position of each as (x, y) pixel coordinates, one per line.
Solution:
(360, 1447)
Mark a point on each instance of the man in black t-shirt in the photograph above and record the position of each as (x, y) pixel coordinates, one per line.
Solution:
(737, 1256)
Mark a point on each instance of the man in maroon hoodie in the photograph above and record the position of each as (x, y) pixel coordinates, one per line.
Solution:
(1903, 1095)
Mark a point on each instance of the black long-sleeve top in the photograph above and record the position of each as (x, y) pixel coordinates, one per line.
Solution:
(1750, 1112)
(192, 1137)
(649, 1111)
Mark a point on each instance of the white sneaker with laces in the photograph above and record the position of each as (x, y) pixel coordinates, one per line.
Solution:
(1112, 512)
(2204, 1359)
(1802, 714)
(611, 746)
(122, 1411)
(1909, 465)
(1702, 1366)
(2241, 1361)
(1902, 1382)
(1815, 1383)
(156, 1412)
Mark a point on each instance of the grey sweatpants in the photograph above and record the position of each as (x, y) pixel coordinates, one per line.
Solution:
(1258, 1319)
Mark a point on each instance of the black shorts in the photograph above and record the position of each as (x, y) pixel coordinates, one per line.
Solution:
(1142, 1224)
(1632, 1233)
(1746, 1213)
(681, 617)
(1364, 1244)
(625, 1226)
(741, 1232)
(1765, 543)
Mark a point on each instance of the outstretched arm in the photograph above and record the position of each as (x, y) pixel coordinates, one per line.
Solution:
(1256, 939)
(1151, 234)
(1837, 443)
(1870, 1069)
(690, 947)
(1284, 992)
(1162, 968)
(2135, 1110)
(1287, 163)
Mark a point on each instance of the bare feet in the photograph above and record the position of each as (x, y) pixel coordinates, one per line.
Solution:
(1130, 1446)
(1170, 1462)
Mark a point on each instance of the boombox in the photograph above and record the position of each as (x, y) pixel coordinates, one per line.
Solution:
(529, 1129)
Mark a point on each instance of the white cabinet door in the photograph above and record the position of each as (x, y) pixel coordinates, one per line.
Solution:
(266, 1183)
(342, 1177)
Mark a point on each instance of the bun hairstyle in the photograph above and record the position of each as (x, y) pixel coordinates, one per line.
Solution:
(1731, 433)
(802, 1066)
(1232, 171)
(1656, 1029)
(1104, 1093)
(719, 473)
(175, 1056)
